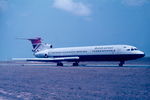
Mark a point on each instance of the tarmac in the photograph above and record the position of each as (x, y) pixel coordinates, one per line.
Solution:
(95, 81)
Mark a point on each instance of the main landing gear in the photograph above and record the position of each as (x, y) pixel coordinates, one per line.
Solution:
(59, 64)
(74, 64)
(121, 63)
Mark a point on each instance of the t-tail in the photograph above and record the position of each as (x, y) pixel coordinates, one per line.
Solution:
(37, 44)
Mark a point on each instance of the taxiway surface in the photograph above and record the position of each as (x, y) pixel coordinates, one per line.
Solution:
(45, 82)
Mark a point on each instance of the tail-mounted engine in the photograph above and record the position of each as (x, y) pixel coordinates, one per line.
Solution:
(48, 46)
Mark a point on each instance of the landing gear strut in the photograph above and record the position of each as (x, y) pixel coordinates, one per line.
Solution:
(121, 63)
(59, 64)
(75, 64)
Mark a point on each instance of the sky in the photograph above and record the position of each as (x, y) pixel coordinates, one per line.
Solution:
(67, 23)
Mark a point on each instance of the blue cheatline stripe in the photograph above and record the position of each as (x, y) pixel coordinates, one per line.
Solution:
(106, 57)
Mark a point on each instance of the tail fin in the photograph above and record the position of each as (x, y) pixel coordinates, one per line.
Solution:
(37, 44)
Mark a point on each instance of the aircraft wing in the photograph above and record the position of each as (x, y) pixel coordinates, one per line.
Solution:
(47, 59)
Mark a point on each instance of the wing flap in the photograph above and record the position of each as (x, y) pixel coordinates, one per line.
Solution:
(47, 59)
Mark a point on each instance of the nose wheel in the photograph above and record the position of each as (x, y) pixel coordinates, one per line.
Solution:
(121, 63)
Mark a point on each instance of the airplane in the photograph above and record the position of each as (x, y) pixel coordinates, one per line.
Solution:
(46, 53)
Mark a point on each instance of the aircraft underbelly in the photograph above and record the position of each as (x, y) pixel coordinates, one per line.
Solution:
(107, 57)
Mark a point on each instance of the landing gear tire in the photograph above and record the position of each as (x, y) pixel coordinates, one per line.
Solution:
(59, 64)
(121, 63)
(75, 64)
(46, 56)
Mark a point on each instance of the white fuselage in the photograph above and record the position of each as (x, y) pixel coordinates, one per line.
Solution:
(92, 53)
(46, 53)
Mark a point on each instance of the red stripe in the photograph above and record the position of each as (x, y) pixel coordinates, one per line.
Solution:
(35, 41)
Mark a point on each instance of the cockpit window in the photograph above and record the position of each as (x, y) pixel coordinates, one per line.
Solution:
(132, 49)
(128, 49)
(135, 49)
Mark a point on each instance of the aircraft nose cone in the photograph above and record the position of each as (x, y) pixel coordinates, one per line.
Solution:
(142, 54)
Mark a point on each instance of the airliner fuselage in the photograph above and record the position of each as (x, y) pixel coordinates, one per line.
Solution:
(94, 53)
(46, 53)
